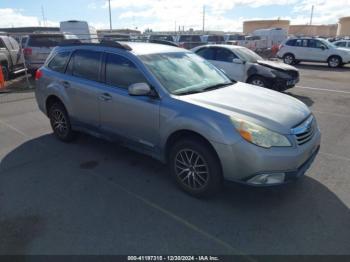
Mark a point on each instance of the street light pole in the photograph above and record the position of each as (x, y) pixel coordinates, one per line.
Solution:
(110, 15)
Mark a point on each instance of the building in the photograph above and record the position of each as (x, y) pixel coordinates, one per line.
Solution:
(250, 26)
(314, 30)
(343, 26)
(28, 30)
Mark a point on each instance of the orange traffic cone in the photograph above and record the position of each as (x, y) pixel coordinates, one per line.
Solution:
(2, 80)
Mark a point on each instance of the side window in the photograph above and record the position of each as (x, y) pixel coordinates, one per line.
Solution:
(224, 55)
(301, 43)
(313, 43)
(85, 64)
(291, 42)
(2, 45)
(14, 43)
(341, 44)
(121, 72)
(207, 53)
(58, 63)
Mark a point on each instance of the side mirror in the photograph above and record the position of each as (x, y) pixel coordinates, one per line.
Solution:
(139, 89)
(323, 47)
(237, 61)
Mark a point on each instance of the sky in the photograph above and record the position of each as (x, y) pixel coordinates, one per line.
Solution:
(227, 15)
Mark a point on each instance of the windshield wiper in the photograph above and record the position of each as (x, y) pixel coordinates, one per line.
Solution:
(189, 92)
(217, 86)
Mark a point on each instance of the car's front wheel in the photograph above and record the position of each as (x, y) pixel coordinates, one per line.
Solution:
(60, 123)
(195, 167)
(334, 62)
(289, 59)
(257, 81)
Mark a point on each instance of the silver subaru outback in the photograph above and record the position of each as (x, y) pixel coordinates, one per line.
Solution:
(175, 106)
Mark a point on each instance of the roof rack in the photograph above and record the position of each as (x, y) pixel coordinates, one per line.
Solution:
(105, 43)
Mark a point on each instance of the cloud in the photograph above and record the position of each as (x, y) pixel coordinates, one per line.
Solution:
(14, 18)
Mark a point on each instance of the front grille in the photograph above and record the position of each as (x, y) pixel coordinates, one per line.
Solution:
(305, 131)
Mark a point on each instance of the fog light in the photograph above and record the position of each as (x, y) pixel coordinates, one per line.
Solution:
(267, 179)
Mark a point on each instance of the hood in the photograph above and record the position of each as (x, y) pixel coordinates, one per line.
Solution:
(276, 65)
(272, 110)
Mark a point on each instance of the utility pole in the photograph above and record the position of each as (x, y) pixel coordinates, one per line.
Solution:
(110, 15)
(175, 27)
(203, 18)
(312, 15)
(43, 15)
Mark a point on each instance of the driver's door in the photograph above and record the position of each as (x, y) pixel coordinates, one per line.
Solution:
(135, 119)
(318, 51)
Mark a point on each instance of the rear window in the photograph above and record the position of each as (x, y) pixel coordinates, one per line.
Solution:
(291, 42)
(190, 38)
(45, 41)
(215, 38)
(59, 62)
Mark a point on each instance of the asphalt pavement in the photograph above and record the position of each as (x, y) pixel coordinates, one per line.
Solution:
(94, 197)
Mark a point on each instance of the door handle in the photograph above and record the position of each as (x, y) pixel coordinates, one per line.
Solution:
(105, 97)
(65, 84)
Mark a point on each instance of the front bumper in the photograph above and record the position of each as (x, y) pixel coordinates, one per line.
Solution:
(243, 161)
(281, 84)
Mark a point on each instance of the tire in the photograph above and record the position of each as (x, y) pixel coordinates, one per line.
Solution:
(334, 61)
(195, 168)
(60, 123)
(5, 72)
(289, 59)
(257, 81)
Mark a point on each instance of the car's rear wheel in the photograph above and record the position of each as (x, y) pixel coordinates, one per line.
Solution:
(195, 167)
(289, 59)
(334, 61)
(257, 81)
(60, 122)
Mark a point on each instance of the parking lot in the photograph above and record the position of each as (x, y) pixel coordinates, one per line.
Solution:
(94, 197)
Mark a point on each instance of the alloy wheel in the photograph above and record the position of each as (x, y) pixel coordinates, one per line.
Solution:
(191, 169)
(334, 62)
(59, 122)
(288, 59)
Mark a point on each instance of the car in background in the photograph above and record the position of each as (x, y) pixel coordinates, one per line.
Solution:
(168, 38)
(213, 39)
(38, 46)
(116, 37)
(188, 41)
(11, 57)
(177, 107)
(308, 49)
(241, 64)
(342, 44)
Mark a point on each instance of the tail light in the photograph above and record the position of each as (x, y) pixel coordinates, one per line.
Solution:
(38, 74)
(27, 51)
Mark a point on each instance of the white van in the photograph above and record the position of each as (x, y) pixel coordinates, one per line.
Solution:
(272, 36)
(84, 32)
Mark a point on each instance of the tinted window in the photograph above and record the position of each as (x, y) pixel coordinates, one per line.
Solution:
(161, 37)
(341, 44)
(121, 72)
(215, 38)
(207, 53)
(291, 42)
(85, 64)
(224, 55)
(58, 63)
(301, 43)
(2, 45)
(315, 43)
(45, 41)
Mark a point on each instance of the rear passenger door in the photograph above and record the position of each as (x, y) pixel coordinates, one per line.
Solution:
(135, 119)
(82, 87)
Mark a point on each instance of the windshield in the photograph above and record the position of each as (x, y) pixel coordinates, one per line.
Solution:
(184, 72)
(247, 55)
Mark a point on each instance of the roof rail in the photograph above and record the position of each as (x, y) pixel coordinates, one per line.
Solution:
(105, 43)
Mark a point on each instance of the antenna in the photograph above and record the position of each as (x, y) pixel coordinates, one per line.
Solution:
(312, 14)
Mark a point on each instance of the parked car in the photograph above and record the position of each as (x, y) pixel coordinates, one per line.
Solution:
(37, 47)
(213, 39)
(188, 41)
(342, 44)
(11, 57)
(175, 106)
(306, 49)
(168, 38)
(241, 64)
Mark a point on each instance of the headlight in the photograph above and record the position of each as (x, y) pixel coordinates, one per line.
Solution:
(259, 135)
